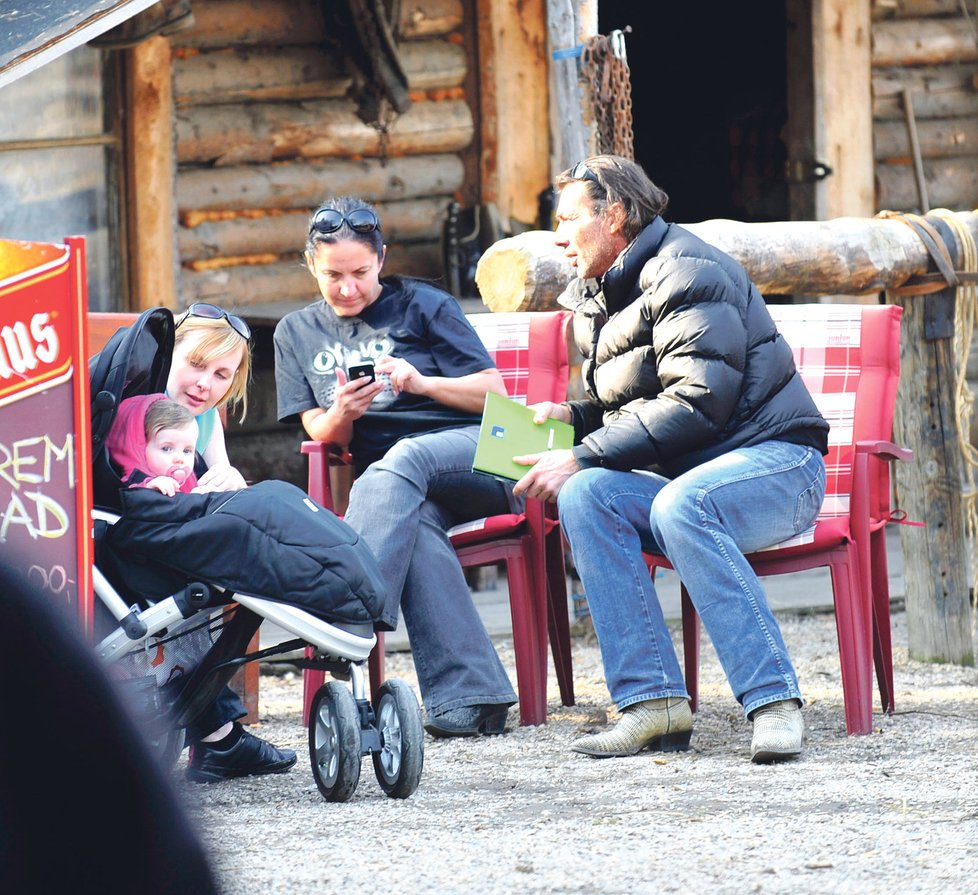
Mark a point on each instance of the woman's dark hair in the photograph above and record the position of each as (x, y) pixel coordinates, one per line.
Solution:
(612, 178)
(344, 205)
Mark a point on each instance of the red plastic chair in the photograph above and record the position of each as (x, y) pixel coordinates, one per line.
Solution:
(849, 357)
(530, 351)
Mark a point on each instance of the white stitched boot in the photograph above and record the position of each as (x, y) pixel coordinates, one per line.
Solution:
(778, 732)
(663, 725)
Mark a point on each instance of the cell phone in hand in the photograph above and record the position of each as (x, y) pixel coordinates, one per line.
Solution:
(361, 371)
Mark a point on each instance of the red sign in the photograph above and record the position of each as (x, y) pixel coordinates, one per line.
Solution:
(45, 455)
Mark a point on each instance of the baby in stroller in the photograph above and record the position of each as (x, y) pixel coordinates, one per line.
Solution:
(188, 578)
(153, 441)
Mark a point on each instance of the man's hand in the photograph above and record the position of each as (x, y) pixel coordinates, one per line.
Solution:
(550, 470)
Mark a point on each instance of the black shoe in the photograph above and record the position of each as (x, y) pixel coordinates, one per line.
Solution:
(249, 756)
(469, 721)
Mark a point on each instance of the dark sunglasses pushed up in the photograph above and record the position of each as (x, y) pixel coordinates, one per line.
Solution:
(213, 312)
(329, 220)
(583, 172)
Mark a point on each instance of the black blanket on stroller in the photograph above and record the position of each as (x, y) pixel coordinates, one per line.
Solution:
(268, 540)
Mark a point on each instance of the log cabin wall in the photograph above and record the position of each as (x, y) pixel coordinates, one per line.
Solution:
(925, 59)
(264, 132)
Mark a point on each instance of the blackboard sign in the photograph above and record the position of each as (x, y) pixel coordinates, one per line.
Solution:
(45, 466)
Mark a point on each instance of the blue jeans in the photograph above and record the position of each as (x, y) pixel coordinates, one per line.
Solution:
(704, 521)
(402, 505)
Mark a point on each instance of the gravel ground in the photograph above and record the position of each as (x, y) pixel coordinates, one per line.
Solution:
(896, 811)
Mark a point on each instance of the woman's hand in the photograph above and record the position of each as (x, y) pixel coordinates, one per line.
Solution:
(353, 398)
(220, 477)
(404, 376)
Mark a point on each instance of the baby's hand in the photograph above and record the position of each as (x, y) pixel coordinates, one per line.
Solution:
(164, 484)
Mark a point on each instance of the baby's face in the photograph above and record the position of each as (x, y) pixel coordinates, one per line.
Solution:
(171, 452)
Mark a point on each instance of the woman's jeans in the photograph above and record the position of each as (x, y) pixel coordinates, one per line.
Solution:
(704, 521)
(402, 505)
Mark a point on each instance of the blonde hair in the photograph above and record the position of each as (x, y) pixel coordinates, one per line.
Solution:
(218, 338)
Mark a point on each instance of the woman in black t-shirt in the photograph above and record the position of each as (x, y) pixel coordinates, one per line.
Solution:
(412, 428)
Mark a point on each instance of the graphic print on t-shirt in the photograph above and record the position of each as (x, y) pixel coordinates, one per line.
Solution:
(327, 359)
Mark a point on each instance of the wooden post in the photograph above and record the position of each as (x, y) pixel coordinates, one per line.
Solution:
(572, 138)
(513, 87)
(149, 142)
(930, 489)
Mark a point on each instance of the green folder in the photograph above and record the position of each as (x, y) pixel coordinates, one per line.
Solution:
(507, 431)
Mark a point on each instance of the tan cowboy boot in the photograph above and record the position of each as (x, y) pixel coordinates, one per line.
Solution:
(663, 725)
(778, 732)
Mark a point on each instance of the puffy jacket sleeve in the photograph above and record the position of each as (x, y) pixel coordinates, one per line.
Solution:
(691, 382)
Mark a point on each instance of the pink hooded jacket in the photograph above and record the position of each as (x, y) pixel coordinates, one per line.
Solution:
(126, 443)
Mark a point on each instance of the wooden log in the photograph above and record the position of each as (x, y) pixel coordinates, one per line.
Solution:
(891, 82)
(415, 220)
(850, 256)
(234, 23)
(923, 42)
(929, 489)
(904, 9)
(264, 132)
(943, 104)
(287, 282)
(938, 138)
(951, 183)
(305, 183)
(523, 273)
(301, 72)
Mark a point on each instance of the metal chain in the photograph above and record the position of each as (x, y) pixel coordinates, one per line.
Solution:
(604, 70)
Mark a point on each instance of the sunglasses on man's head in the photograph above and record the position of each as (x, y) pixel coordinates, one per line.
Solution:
(329, 220)
(583, 172)
(213, 312)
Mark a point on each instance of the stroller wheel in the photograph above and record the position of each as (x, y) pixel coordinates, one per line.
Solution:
(399, 761)
(166, 746)
(334, 742)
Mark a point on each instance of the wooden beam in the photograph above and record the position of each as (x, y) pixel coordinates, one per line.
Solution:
(923, 42)
(151, 173)
(514, 115)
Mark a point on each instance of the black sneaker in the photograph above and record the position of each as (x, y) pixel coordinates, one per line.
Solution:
(249, 756)
(469, 721)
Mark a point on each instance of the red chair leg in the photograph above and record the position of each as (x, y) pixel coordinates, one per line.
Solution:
(691, 648)
(312, 680)
(375, 666)
(882, 644)
(558, 626)
(854, 625)
(529, 644)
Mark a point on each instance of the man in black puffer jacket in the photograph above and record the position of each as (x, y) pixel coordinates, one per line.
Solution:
(697, 440)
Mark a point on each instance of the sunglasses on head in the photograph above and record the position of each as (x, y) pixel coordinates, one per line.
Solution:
(213, 312)
(329, 220)
(583, 172)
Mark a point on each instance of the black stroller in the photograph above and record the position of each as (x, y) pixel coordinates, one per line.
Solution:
(182, 585)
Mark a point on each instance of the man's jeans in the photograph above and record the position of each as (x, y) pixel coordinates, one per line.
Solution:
(402, 506)
(704, 521)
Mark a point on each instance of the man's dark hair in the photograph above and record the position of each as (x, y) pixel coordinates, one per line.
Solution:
(618, 179)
